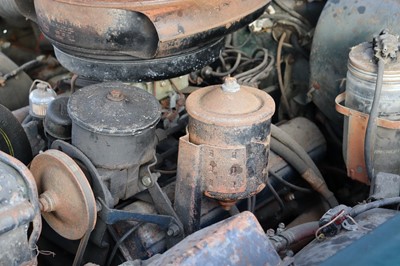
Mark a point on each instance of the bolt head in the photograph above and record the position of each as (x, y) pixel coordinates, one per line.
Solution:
(115, 96)
(146, 181)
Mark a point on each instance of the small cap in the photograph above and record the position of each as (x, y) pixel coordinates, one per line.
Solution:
(230, 85)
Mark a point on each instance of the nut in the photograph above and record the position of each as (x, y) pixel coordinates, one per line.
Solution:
(230, 85)
(115, 96)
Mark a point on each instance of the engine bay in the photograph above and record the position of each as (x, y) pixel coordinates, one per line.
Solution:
(195, 132)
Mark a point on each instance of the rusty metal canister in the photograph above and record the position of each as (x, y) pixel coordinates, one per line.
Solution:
(114, 124)
(230, 124)
(360, 87)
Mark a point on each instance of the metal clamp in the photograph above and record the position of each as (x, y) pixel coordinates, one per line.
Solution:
(358, 121)
(382, 122)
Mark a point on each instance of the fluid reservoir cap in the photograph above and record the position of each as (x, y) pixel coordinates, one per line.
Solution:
(114, 108)
(230, 104)
(361, 62)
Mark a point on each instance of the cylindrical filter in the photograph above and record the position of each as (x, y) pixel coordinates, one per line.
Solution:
(231, 124)
(360, 88)
(114, 124)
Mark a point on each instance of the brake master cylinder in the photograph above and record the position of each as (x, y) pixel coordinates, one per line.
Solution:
(359, 96)
(114, 125)
(225, 152)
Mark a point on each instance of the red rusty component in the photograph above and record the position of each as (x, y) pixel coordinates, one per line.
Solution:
(239, 240)
(356, 137)
(65, 194)
(225, 153)
(230, 128)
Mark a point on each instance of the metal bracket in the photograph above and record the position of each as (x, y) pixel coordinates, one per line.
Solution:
(355, 144)
(112, 216)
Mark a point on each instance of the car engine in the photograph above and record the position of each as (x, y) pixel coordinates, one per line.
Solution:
(189, 132)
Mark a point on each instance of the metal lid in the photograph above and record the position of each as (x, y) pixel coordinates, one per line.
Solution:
(114, 108)
(363, 65)
(229, 105)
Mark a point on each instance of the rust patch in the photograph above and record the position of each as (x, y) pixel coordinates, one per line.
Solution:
(357, 126)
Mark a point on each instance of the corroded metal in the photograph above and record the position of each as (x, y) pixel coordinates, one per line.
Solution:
(140, 40)
(163, 27)
(126, 123)
(66, 198)
(225, 153)
(239, 240)
(19, 208)
(231, 130)
(355, 138)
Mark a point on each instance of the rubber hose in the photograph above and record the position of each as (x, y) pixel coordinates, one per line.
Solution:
(305, 171)
(13, 139)
(295, 234)
(289, 142)
(372, 205)
(370, 132)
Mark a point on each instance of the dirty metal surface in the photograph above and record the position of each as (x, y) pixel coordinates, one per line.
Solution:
(238, 240)
(147, 240)
(230, 125)
(342, 25)
(317, 252)
(225, 153)
(144, 29)
(66, 198)
(141, 40)
(245, 107)
(355, 160)
(127, 124)
(19, 208)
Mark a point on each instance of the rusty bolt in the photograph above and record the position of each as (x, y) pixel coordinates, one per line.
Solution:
(173, 230)
(230, 85)
(146, 181)
(115, 96)
(270, 232)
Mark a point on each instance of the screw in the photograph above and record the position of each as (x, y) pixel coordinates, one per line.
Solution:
(115, 96)
(146, 181)
(230, 85)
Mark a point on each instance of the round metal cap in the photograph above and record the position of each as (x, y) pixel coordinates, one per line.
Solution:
(239, 107)
(65, 196)
(114, 108)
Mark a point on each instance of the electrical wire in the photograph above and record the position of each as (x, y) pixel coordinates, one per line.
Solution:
(276, 195)
(317, 235)
(370, 132)
(230, 71)
(292, 186)
(279, 72)
(358, 209)
(120, 241)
